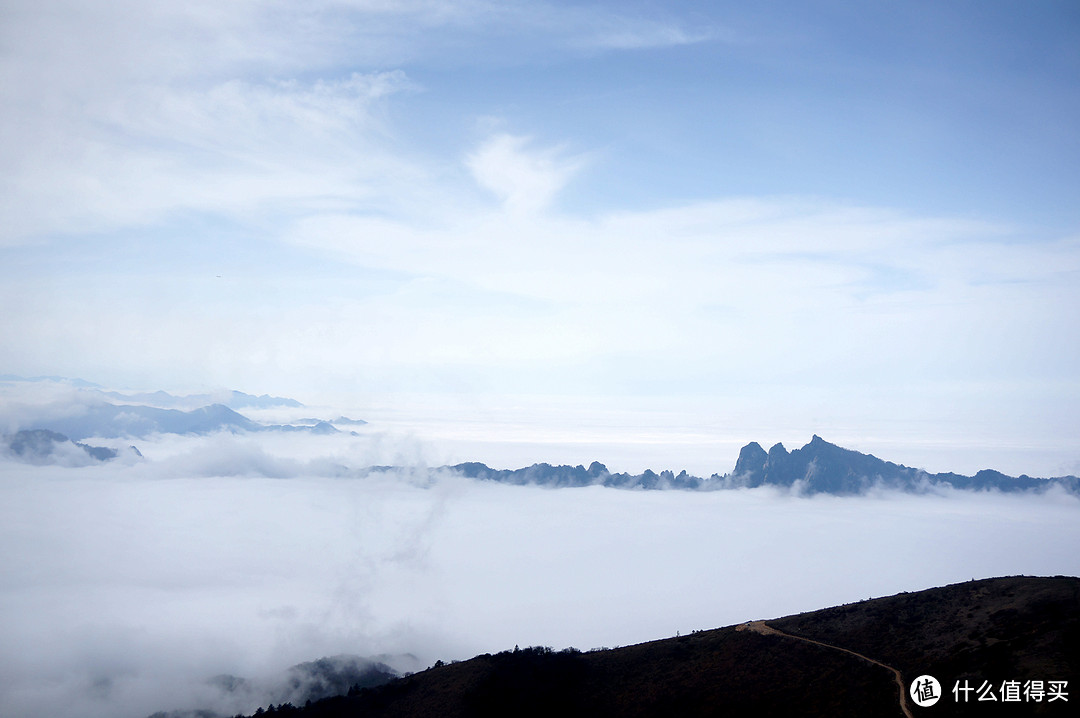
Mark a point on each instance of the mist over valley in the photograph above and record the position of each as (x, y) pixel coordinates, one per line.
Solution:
(130, 582)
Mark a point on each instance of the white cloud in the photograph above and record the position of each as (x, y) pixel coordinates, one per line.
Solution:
(231, 149)
(525, 179)
(766, 292)
(766, 264)
(120, 114)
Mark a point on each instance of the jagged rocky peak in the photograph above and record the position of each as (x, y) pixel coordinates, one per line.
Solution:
(817, 467)
(751, 459)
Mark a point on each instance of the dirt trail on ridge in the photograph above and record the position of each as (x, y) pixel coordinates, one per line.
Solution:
(767, 630)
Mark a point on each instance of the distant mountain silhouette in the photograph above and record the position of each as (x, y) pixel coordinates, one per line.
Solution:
(115, 420)
(41, 446)
(163, 399)
(852, 660)
(300, 684)
(333, 676)
(111, 420)
(821, 467)
(231, 399)
(348, 422)
(818, 467)
(316, 426)
(81, 383)
(567, 476)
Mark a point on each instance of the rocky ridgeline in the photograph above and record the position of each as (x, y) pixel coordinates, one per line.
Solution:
(818, 467)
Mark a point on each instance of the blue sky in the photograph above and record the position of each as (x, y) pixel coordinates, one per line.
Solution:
(813, 215)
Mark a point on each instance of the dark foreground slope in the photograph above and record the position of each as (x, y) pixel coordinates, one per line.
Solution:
(996, 629)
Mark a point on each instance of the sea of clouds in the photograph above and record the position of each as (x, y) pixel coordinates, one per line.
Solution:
(126, 586)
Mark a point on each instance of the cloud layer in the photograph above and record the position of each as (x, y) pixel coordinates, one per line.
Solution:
(126, 587)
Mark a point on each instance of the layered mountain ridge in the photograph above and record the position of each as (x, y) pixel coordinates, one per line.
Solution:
(110, 421)
(825, 467)
(818, 467)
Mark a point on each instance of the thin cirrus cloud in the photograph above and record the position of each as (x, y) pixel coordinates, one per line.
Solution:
(212, 109)
(231, 150)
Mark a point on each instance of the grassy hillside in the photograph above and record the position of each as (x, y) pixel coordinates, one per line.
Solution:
(996, 629)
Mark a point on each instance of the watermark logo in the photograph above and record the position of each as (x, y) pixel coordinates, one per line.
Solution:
(925, 691)
(1011, 691)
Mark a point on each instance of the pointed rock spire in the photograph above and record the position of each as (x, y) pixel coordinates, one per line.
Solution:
(751, 460)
